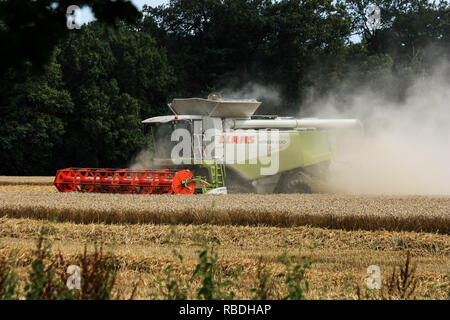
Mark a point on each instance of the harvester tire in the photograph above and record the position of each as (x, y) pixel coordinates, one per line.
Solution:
(293, 182)
(236, 184)
(236, 188)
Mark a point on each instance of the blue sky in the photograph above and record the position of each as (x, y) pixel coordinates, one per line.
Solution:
(87, 16)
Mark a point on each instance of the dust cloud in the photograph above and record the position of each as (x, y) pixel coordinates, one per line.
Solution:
(143, 160)
(252, 90)
(405, 148)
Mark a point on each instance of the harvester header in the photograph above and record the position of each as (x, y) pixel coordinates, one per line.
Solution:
(125, 181)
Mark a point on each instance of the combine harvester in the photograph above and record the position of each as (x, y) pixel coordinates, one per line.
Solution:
(215, 136)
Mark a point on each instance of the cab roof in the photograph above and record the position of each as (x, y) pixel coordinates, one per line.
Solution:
(165, 119)
(239, 108)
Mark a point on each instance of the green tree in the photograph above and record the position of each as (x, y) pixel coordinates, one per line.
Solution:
(30, 30)
(308, 38)
(209, 42)
(413, 36)
(216, 44)
(32, 124)
(86, 107)
(409, 29)
(116, 78)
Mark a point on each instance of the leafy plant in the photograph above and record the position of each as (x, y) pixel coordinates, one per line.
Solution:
(213, 287)
(265, 284)
(47, 279)
(44, 279)
(8, 281)
(173, 288)
(98, 275)
(294, 276)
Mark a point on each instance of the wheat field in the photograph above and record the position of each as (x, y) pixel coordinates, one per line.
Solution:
(18, 180)
(341, 234)
(414, 213)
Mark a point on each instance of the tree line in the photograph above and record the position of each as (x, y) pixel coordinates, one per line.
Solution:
(76, 97)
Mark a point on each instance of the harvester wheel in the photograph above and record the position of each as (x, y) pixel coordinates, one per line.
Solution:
(238, 188)
(299, 187)
(293, 182)
(237, 184)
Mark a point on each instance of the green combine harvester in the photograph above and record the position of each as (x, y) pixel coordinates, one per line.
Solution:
(220, 146)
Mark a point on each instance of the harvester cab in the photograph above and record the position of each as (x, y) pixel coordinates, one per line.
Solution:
(215, 145)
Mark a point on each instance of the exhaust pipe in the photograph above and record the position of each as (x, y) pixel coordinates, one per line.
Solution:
(294, 124)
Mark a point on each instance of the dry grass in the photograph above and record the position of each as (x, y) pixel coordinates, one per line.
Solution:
(341, 257)
(28, 188)
(38, 180)
(413, 213)
(342, 234)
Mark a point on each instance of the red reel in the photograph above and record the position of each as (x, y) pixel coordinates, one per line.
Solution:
(85, 180)
(178, 186)
(64, 180)
(124, 181)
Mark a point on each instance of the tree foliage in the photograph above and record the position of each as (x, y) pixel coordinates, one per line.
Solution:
(86, 108)
(32, 29)
(96, 84)
(32, 112)
(214, 44)
(116, 78)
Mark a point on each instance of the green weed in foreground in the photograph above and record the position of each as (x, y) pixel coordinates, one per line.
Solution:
(43, 282)
(173, 287)
(8, 281)
(265, 284)
(47, 278)
(213, 287)
(294, 276)
(211, 279)
(214, 284)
